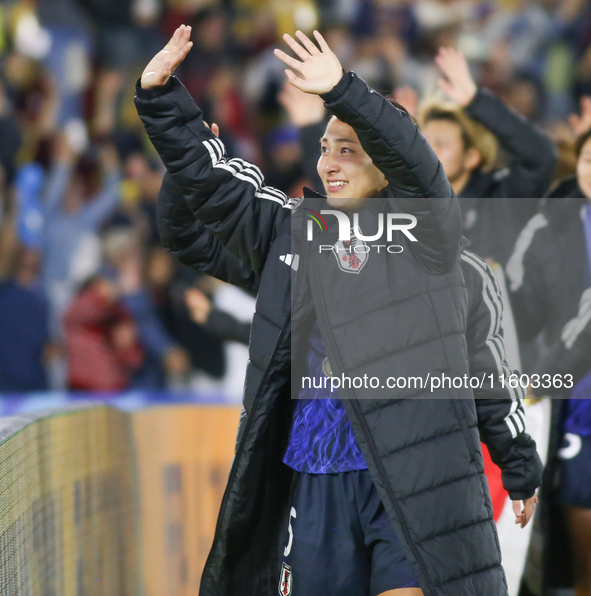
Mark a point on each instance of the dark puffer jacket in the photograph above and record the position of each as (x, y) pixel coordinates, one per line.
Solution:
(423, 454)
(548, 270)
(570, 354)
(501, 418)
(548, 273)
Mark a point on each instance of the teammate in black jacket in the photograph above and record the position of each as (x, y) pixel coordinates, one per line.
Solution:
(422, 455)
(496, 203)
(550, 284)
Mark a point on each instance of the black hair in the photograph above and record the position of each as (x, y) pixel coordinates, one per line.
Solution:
(401, 108)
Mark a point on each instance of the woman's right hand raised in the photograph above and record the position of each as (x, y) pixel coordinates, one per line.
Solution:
(165, 62)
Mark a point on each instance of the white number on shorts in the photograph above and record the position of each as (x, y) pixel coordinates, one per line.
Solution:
(573, 448)
(287, 550)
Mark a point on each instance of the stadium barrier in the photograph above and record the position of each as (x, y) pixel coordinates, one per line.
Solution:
(184, 455)
(101, 502)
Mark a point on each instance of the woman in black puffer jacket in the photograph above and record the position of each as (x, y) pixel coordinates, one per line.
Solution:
(422, 455)
(550, 290)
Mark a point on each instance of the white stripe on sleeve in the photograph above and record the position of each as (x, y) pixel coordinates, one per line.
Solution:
(515, 420)
(515, 270)
(246, 172)
(573, 328)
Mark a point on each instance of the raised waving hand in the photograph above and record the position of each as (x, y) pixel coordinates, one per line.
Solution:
(319, 68)
(581, 124)
(167, 60)
(458, 83)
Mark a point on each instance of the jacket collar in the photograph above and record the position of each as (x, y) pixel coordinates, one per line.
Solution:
(312, 200)
(479, 185)
(310, 194)
(320, 198)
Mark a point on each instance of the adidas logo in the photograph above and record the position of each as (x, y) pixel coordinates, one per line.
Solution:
(291, 260)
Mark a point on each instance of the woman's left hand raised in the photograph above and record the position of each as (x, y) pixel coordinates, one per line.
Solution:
(320, 69)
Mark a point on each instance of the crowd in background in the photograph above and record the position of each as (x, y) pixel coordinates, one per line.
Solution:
(89, 300)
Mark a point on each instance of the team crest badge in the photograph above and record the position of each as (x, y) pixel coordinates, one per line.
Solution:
(351, 254)
(285, 581)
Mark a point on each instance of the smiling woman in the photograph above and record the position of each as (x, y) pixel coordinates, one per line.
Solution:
(328, 493)
(350, 177)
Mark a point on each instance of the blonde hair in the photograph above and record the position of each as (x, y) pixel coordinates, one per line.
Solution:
(473, 133)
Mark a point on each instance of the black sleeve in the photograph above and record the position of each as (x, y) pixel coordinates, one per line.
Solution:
(526, 286)
(501, 417)
(227, 195)
(227, 327)
(533, 154)
(571, 354)
(186, 238)
(415, 175)
(310, 146)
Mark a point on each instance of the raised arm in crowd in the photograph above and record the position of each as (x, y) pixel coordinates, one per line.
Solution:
(466, 135)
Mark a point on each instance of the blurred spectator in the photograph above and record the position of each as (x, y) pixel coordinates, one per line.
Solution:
(168, 284)
(223, 324)
(578, 183)
(581, 123)
(35, 102)
(240, 306)
(10, 134)
(24, 319)
(520, 33)
(284, 160)
(69, 56)
(126, 34)
(123, 252)
(306, 112)
(102, 340)
(564, 135)
(143, 179)
(4, 201)
(72, 221)
(210, 53)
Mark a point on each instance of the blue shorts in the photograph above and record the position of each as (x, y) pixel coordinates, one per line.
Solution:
(574, 472)
(340, 541)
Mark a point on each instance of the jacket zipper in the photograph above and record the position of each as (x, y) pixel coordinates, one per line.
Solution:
(249, 418)
(355, 405)
(239, 450)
